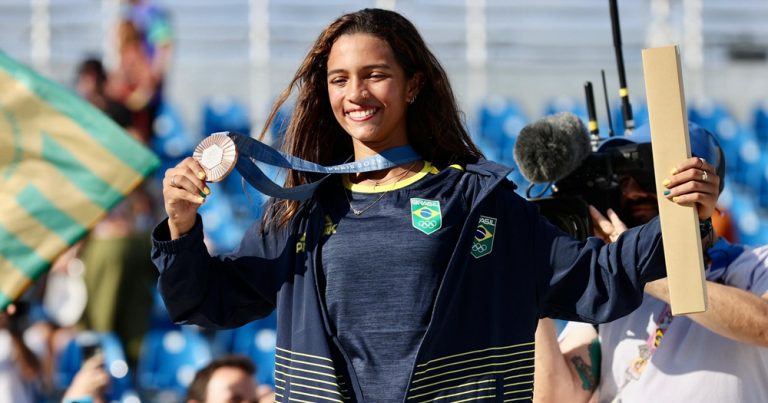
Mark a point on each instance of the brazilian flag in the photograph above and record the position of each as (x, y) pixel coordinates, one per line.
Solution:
(63, 165)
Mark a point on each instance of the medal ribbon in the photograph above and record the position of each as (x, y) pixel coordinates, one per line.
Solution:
(256, 151)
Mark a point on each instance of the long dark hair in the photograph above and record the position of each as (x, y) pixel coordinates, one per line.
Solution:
(433, 122)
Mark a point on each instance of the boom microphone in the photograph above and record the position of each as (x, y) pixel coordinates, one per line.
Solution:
(550, 148)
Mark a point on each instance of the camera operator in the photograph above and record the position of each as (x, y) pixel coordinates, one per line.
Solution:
(716, 356)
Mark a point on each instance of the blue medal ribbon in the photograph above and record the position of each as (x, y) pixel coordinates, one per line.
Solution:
(256, 151)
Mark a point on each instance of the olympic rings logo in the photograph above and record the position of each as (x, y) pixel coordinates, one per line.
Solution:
(427, 224)
(478, 247)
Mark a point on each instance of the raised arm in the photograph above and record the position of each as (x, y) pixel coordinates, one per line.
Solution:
(593, 282)
(204, 290)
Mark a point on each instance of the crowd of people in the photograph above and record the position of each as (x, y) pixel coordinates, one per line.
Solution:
(112, 264)
(428, 279)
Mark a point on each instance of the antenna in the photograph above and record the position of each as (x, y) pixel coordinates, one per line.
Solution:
(594, 129)
(629, 122)
(607, 105)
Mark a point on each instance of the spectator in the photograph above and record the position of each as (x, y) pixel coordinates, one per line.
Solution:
(118, 273)
(133, 83)
(89, 383)
(153, 24)
(19, 367)
(91, 85)
(228, 379)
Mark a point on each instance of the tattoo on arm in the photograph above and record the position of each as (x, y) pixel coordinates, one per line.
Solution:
(589, 374)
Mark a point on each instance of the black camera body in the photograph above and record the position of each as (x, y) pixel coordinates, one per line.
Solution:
(596, 181)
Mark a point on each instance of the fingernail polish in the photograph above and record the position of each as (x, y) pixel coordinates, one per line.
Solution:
(673, 171)
(202, 200)
(674, 199)
(203, 194)
(667, 192)
(666, 182)
(206, 190)
(201, 175)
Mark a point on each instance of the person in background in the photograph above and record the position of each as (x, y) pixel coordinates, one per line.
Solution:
(118, 274)
(720, 355)
(89, 383)
(19, 367)
(133, 82)
(228, 379)
(152, 25)
(91, 85)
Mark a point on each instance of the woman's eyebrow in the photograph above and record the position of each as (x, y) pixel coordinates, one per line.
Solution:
(368, 67)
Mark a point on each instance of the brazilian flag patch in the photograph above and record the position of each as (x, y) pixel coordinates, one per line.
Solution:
(425, 215)
(483, 242)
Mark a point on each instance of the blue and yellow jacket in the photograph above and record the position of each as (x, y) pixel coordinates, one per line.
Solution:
(480, 341)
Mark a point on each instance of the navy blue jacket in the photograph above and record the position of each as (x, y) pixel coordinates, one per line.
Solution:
(480, 341)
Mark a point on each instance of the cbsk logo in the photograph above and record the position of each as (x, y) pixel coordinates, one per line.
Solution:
(425, 215)
(483, 242)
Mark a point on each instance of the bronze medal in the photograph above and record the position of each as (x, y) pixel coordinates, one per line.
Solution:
(217, 155)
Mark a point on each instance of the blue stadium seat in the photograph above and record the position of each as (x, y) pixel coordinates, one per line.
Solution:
(255, 340)
(731, 136)
(567, 104)
(747, 164)
(759, 179)
(222, 113)
(70, 360)
(171, 141)
(708, 113)
(499, 122)
(280, 124)
(169, 360)
(751, 226)
(222, 230)
(760, 121)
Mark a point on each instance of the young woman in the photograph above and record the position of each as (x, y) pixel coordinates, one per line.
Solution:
(418, 282)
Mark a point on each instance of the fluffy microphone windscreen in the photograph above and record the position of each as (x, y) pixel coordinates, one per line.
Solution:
(549, 149)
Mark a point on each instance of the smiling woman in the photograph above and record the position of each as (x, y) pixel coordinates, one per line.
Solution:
(369, 93)
(418, 282)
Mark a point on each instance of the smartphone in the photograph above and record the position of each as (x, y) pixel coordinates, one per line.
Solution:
(90, 349)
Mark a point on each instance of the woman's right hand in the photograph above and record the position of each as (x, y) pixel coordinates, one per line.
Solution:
(184, 191)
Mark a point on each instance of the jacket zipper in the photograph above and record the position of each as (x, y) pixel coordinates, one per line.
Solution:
(451, 266)
(354, 384)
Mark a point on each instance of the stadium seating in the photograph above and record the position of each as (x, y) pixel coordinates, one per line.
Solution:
(255, 340)
(169, 360)
(760, 121)
(222, 113)
(498, 123)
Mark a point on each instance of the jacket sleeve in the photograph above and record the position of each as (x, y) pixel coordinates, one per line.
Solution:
(591, 281)
(216, 291)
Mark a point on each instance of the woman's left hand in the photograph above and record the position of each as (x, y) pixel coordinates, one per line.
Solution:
(694, 181)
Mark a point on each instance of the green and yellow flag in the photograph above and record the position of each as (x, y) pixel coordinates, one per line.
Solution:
(63, 165)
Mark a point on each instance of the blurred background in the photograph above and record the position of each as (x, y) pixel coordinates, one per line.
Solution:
(510, 62)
